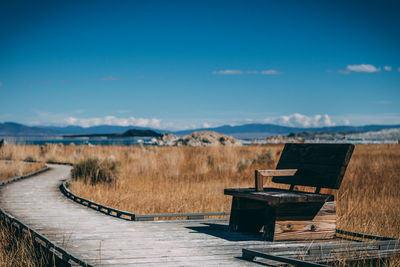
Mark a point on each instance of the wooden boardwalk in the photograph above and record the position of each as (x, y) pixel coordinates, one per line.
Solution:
(102, 240)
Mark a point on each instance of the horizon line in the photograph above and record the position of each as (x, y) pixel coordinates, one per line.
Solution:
(197, 128)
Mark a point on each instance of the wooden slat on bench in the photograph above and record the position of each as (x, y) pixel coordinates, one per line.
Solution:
(319, 165)
(276, 196)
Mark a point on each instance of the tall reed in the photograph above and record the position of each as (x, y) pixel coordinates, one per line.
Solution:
(19, 250)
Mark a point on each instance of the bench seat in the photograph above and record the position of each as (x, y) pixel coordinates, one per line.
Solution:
(275, 196)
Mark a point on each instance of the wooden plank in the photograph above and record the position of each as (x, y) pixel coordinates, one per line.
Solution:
(361, 236)
(322, 226)
(250, 254)
(276, 197)
(304, 230)
(316, 153)
(283, 172)
(320, 165)
(259, 174)
(329, 252)
(259, 181)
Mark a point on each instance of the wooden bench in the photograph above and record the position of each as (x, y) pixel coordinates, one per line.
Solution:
(287, 214)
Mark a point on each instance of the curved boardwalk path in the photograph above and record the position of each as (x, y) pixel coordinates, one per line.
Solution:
(103, 240)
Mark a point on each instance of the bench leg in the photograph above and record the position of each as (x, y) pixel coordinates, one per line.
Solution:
(269, 223)
(249, 215)
(234, 217)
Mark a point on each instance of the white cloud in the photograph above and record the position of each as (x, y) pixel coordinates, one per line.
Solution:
(228, 72)
(239, 72)
(251, 72)
(387, 68)
(363, 68)
(300, 120)
(110, 78)
(112, 120)
(270, 72)
(206, 125)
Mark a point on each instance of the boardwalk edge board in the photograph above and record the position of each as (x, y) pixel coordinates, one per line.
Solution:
(128, 215)
(363, 247)
(24, 176)
(38, 238)
(32, 173)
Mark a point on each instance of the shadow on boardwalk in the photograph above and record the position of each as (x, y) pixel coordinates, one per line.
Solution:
(222, 231)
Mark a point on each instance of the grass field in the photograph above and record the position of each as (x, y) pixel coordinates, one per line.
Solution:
(10, 169)
(192, 179)
(18, 251)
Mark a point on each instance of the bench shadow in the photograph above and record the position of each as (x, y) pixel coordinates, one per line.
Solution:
(222, 231)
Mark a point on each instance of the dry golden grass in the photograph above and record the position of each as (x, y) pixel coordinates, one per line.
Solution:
(178, 179)
(369, 198)
(10, 169)
(42, 153)
(19, 250)
(192, 179)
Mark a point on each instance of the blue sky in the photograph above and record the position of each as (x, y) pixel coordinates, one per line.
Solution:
(186, 64)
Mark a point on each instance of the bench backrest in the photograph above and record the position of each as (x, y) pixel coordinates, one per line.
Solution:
(319, 165)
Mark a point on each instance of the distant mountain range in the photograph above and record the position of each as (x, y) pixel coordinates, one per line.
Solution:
(20, 130)
(241, 131)
(265, 130)
(16, 129)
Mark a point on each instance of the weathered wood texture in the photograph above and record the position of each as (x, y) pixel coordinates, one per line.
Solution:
(275, 196)
(319, 254)
(290, 222)
(315, 165)
(322, 226)
(99, 239)
(259, 175)
(319, 165)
